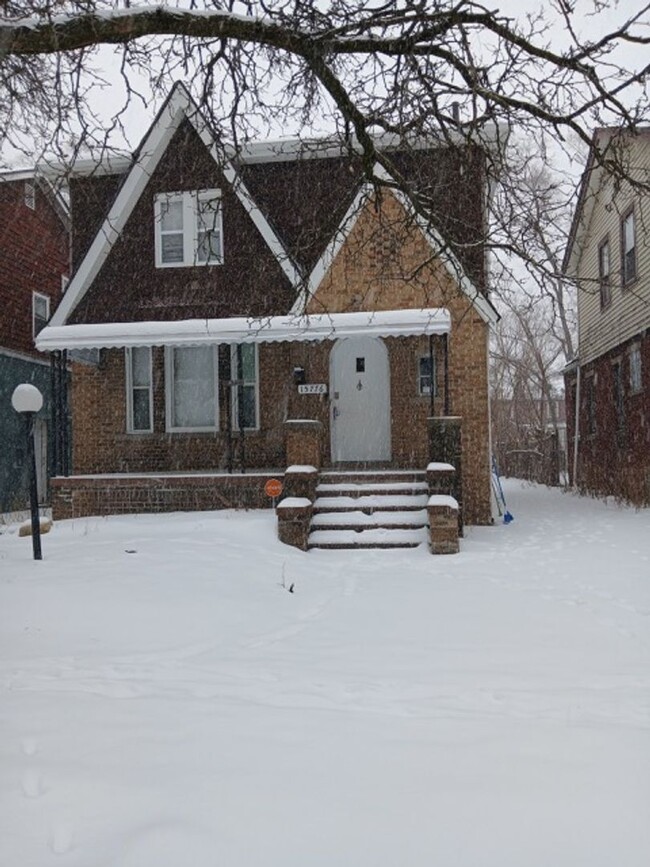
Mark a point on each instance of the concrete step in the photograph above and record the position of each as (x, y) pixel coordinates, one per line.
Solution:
(356, 520)
(367, 538)
(370, 503)
(371, 476)
(358, 489)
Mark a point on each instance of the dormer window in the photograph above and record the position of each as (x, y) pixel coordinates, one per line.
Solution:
(188, 229)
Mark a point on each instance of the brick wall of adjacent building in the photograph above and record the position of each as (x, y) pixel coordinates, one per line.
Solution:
(33, 257)
(613, 459)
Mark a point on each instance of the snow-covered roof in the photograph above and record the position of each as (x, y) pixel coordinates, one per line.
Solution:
(268, 329)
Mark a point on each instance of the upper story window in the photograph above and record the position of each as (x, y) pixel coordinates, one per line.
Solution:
(30, 194)
(40, 312)
(604, 274)
(628, 248)
(188, 229)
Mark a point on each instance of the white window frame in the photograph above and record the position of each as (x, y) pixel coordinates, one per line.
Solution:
(130, 388)
(169, 394)
(38, 296)
(190, 231)
(30, 195)
(636, 369)
(626, 277)
(422, 393)
(235, 389)
(605, 273)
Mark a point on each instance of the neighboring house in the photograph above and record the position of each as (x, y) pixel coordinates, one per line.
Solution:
(265, 310)
(609, 256)
(34, 268)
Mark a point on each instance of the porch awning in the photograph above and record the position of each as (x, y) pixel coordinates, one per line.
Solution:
(268, 329)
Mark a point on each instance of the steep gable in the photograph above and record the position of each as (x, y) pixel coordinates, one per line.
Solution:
(129, 287)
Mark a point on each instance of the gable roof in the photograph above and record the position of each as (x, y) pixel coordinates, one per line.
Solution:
(310, 198)
(178, 107)
(593, 177)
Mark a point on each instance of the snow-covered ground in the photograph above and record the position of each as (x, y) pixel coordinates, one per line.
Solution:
(166, 702)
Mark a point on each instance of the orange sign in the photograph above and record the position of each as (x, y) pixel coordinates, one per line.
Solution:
(273, 488)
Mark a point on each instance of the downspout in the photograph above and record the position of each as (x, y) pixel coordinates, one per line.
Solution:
(576, 429)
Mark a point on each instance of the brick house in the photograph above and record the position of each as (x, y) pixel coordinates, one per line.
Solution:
(266, 310)
(34, 264)
(609, 256)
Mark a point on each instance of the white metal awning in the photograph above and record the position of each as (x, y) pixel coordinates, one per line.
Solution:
(269, 329)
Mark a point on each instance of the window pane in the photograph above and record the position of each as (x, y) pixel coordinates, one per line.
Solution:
(248, 361)
(209, 247)
(248, 404)
(208, 224)
(141, 367)
(40, 306)
(172, 248)
(141, 417)
(193, 387)
(171, 216)
(425, 374)
(628, 232)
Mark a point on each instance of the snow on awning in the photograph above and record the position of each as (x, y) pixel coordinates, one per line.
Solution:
(268, 329)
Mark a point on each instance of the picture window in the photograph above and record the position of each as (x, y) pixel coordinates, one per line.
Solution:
(191, 388)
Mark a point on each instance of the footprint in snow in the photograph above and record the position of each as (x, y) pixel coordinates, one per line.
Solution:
(61, 838)
(32, 784)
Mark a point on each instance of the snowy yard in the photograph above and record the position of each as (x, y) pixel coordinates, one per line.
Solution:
(167, 703)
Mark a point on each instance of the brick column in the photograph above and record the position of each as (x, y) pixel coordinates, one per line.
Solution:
(300, 481)
(304, 439)
(443, 524)
(445, 446)
(294, 518)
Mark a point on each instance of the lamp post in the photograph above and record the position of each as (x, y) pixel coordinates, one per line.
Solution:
(27, 400)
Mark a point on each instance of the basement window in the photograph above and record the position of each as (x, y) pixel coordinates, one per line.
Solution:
(188, 229)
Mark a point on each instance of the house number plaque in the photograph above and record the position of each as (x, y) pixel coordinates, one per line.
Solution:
(313, 388)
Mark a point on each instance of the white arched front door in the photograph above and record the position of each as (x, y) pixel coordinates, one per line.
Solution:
(360, 400)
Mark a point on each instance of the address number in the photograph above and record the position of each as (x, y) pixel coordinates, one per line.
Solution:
(313, 388)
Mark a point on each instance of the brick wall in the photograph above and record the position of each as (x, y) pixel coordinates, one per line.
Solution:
(33, 256)
(612, 461)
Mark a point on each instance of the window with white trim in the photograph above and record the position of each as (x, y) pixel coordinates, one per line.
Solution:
(628, 249)
(604, 274)
(188, 229)
(636, 373)
(40, 312)
(139, 393)
(426, 375)
(191, 388)
(249, 386)
(30, 195)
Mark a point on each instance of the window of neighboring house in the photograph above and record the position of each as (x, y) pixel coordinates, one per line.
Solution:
(636, 372)
(590, 401)
(628, 249)
(65, 282)
(40, 312)
(191, 388)
(249, 389)
(30, 194)
(139, 393)
(426, 375)
(619, 396)
(604, 274)
(188, 229)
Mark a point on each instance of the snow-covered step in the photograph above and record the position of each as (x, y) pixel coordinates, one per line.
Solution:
(378, 487)
(331, 477)
(361, 520)
(370, 503)
(370, 538)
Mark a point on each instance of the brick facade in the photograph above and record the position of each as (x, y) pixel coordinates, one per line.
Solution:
(614, 447)
(33, 257)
